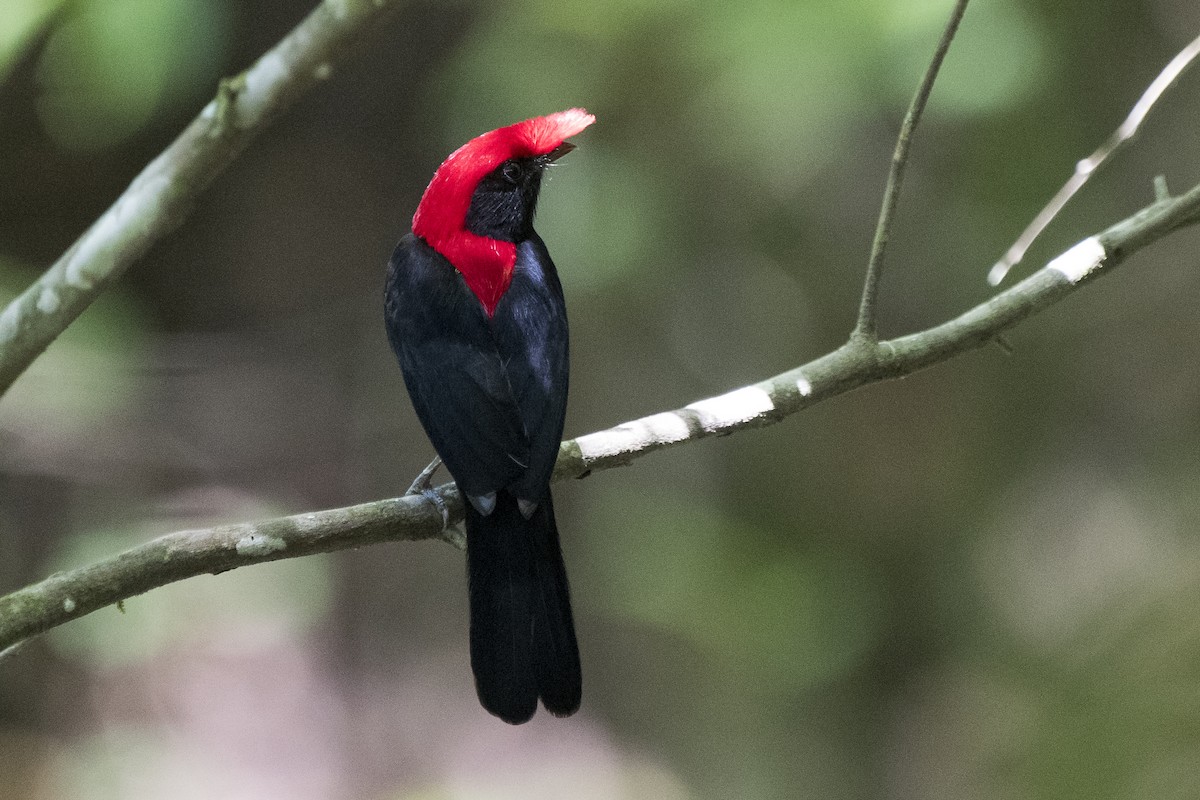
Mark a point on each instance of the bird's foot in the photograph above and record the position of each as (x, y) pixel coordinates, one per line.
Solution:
(436, 499)
(422, 485)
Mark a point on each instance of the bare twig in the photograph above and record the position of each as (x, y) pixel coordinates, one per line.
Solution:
(160, 197)
(866, 329)
(170, 558)
(1088, 166)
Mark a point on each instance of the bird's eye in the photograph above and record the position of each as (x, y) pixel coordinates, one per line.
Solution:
(511, 172)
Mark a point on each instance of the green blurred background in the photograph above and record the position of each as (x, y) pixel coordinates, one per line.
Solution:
(977, 582)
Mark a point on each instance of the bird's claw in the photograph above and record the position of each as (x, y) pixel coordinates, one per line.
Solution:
(436, 499)
(421, 483)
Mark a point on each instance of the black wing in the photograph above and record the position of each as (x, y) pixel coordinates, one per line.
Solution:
(491, 394)
(530, 324)
(444, 343)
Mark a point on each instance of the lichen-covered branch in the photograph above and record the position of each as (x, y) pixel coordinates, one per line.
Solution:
(176, 556)
(159, 198)
(68, 595)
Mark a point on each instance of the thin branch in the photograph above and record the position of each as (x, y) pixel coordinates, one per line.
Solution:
(176, 556)
(1088, 166)
(159, 199)
(866, 328)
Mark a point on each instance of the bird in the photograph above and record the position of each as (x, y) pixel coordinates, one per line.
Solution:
(475, 314)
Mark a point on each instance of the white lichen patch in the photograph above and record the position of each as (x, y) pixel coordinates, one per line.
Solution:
(665, 427)
(94, 254)
(257, 544)
(69, 605)
(307, 522)
(49, 301)
(323, 71)
(113, 240)
(736, 406)
(1076, 263)
(803, 386)
(10, 322)
(661, 428)
(259, 86)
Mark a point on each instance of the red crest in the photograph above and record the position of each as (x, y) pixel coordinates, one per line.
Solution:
(486, 264)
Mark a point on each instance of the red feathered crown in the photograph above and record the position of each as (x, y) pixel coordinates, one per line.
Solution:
(486, 264)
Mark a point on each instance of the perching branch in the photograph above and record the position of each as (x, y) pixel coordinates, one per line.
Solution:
(170, 558)
(1087, 167)
(159, 199)
(866, 327)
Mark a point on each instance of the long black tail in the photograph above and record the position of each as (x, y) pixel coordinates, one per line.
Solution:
(522, 635)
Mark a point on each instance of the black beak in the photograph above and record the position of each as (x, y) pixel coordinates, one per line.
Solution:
(559, 152)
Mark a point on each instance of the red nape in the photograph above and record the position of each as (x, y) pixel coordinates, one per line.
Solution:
(485, 264)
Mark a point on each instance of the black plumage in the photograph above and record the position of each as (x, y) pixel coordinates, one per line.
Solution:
(491, 392)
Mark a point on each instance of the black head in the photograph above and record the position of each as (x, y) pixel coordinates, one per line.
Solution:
(504, 202)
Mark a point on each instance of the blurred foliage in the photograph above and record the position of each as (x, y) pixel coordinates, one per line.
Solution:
(977, 582)
(999, 55)
(107, 66)
(22, 21)
(782, 621)
(85, 380)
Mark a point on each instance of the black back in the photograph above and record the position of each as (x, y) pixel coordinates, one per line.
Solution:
(491, 393)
